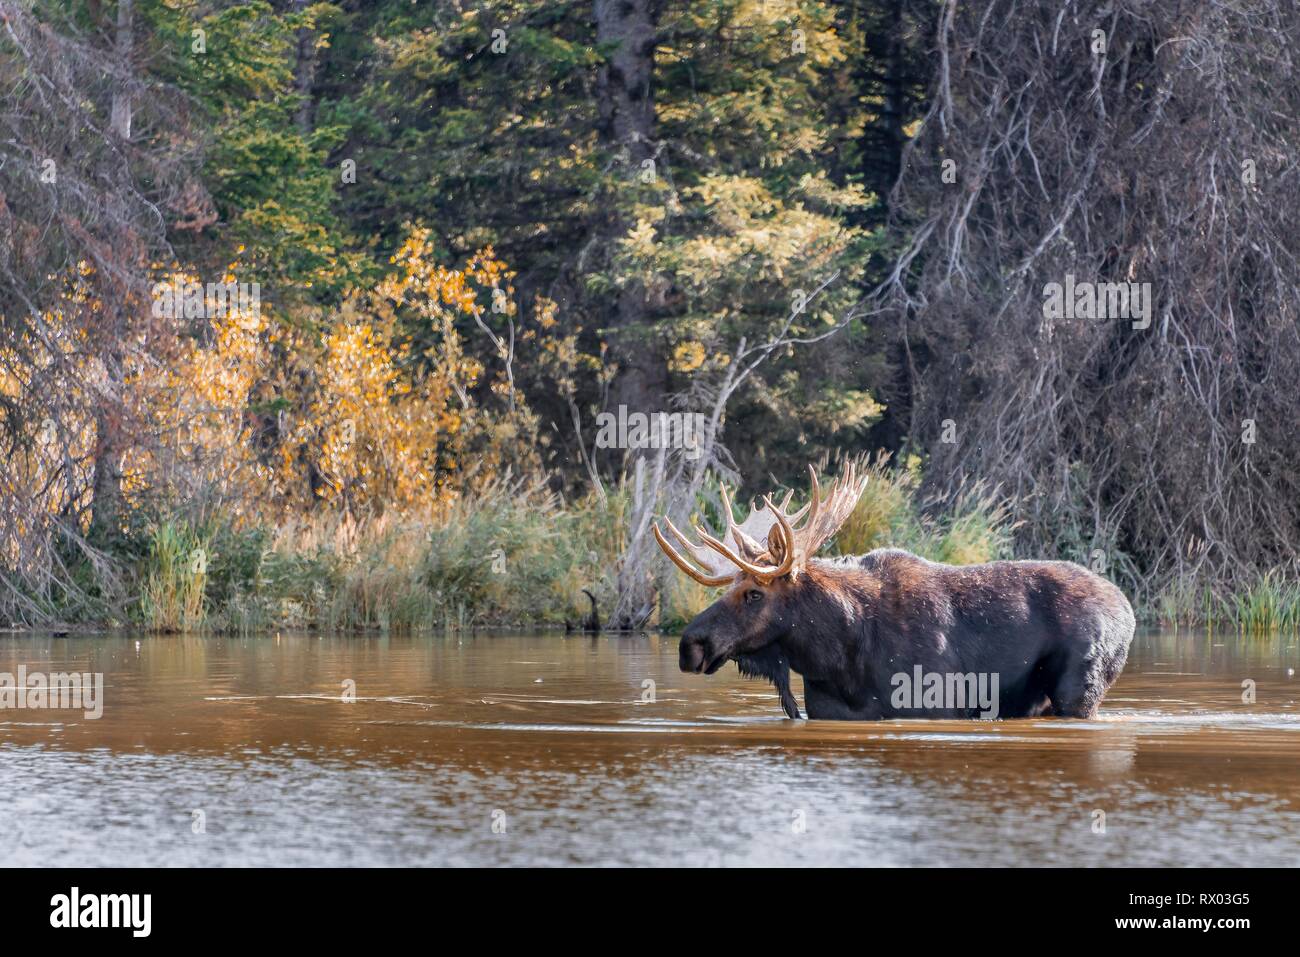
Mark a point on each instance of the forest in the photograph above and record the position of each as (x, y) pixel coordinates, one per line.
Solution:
(401, 315)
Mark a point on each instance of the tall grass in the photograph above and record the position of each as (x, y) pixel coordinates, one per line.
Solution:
(1267, 603)
(513, 555)
(976, 527)
(506, 555)
(172, 597)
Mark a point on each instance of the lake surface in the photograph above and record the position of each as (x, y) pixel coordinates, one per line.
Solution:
(548, 750)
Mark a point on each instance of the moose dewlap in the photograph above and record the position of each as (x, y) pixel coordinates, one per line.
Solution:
(891, 635)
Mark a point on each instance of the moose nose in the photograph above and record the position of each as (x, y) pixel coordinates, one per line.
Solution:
(690, 656)
(691, 652)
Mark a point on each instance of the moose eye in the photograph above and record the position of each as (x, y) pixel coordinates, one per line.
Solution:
(753, 595)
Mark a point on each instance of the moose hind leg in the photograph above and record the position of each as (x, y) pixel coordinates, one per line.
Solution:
(1079, 689)
(1091, 665)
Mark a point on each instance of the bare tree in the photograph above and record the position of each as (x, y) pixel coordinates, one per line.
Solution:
(96, 164)
(1111, 142)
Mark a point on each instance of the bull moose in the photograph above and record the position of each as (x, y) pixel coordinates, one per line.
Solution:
(1051, 635)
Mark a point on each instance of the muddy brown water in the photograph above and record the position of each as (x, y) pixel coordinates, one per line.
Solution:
(546, 750)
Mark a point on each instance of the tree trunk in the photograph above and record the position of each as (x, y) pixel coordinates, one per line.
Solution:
(304, 75)
(895, 80)
(123, 42)
(106, 483)
(884, 70)
(626, 127)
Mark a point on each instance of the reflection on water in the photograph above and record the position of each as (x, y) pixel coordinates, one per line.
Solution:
(494, 749)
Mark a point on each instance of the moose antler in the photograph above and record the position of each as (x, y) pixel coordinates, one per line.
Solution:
(829, 513)
(767, 545)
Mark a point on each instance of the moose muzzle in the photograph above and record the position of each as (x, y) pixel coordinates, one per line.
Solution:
(698, 654)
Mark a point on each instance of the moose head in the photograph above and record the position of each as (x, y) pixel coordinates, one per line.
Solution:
(764, 561)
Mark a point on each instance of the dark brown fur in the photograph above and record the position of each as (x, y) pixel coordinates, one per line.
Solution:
(1055, 634)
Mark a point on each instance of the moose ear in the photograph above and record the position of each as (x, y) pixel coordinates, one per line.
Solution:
(776, 544)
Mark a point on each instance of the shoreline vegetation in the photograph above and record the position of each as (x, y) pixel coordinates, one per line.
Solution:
(514, 556)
